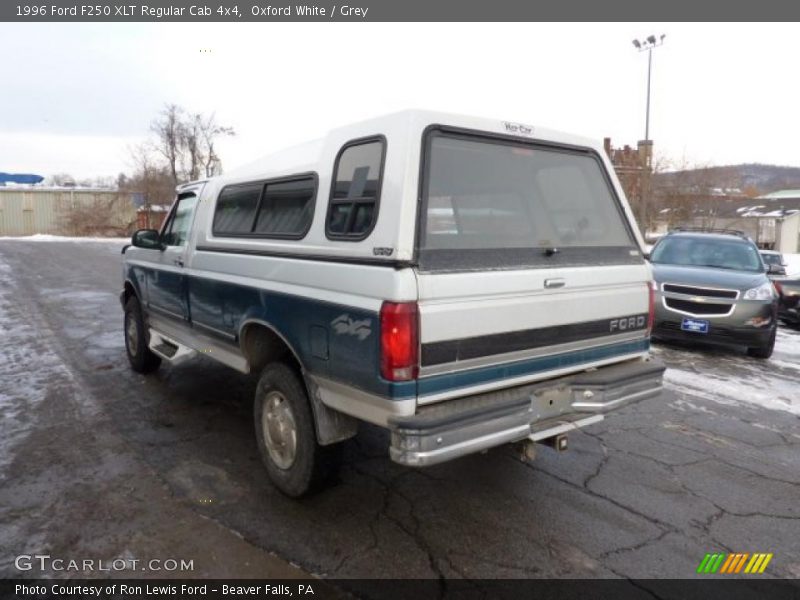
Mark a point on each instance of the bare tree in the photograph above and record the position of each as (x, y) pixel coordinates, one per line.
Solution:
(168, 129)
(210, 131)
(151, 178)
(187, 143)
(102, 214)
(191, 145)
(685, 193)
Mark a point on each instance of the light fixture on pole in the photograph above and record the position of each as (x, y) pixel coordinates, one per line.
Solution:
(648, 44)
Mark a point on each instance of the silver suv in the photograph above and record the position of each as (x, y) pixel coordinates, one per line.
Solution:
(712, 287)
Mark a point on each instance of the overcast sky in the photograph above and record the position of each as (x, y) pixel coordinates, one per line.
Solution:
(75, 97)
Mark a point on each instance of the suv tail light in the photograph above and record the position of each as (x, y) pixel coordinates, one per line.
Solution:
(651, 314)
(778, 287)
(399, 341)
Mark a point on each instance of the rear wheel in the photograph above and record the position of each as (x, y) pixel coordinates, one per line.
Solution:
(764, 351)
(140, 356)
(286, 437)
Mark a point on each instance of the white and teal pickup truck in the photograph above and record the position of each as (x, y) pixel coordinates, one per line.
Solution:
(462, 282)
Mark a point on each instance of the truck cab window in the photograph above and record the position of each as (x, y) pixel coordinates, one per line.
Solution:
(176, 231)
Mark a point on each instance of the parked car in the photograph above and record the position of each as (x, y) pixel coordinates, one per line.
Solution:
(775, 262)
(712, 287)
(789, 304)
(463, 283)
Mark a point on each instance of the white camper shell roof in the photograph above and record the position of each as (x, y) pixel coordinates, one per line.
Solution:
(397, 210)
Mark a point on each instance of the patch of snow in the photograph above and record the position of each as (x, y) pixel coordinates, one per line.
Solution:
(685, 405)
(735, 391)
(786, 342)
(793, 261)
(784, 364)
(30, 371)
(46, 237)
(737, 380)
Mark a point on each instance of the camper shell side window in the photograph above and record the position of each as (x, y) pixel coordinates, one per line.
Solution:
(274, 209)
(356, 189)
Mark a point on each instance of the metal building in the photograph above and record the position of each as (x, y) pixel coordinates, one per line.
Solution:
(65, 211)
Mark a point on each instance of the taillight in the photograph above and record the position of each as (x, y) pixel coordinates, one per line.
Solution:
(651, 307)
(778, 288)
(399, 341)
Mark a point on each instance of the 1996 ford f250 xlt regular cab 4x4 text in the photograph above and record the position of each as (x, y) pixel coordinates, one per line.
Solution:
(462, 282)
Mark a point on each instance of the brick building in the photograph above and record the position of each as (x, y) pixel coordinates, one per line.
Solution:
(634, 168)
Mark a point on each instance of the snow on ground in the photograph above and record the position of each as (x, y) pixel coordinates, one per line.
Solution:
(46, 237)
(732, 391)
(793, 261)
(735, 379)
(30, 371)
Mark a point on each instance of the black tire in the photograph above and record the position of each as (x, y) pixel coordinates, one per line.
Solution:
(764, 351)
(310, 466)
(140, 356)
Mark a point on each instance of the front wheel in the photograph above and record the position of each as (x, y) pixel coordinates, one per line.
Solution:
(765, 350)
(142, 359)
(286, 436)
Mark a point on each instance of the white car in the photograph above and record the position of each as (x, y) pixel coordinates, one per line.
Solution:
(462, 282)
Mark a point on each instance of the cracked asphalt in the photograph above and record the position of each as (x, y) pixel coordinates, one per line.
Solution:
(97, 461)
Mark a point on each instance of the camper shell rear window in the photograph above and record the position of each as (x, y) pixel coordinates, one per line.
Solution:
(503, 203)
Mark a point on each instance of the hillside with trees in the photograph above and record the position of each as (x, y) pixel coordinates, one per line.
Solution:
(747, 179)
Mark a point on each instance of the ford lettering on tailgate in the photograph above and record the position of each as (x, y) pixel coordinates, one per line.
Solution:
(627, 323)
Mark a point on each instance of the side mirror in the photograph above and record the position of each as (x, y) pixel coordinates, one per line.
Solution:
(775, 270)
(147, 238)
(646, 256)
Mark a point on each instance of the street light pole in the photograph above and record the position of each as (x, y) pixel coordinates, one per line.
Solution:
(648, 44)
(646, 147)
(647, 112)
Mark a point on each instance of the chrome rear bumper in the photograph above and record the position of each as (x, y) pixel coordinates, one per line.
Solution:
(455, 428)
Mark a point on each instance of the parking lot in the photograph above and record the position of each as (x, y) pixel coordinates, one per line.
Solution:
(99, 462)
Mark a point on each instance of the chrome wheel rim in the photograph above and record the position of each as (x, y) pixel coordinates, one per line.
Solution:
(280, 430)
(132, 335)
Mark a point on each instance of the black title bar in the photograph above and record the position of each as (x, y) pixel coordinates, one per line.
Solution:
(32, 11)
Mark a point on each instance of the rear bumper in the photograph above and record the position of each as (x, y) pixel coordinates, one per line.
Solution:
(455, 428)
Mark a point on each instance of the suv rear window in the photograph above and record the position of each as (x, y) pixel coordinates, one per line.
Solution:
(492, 203)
